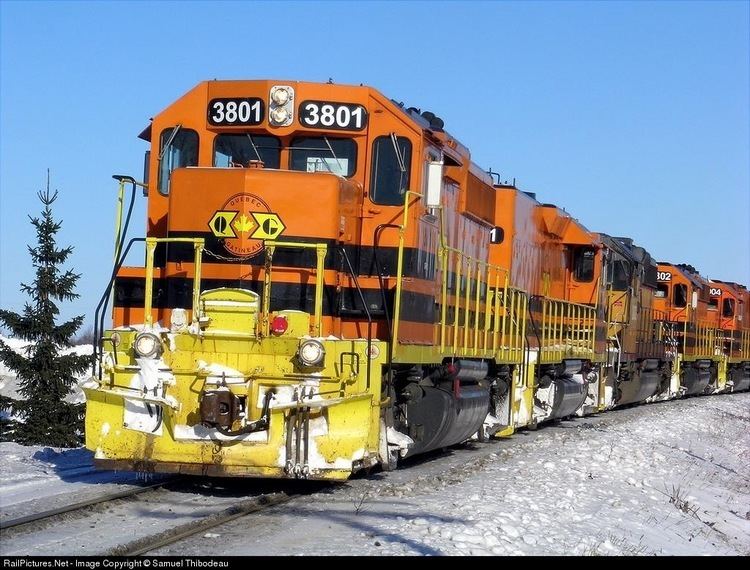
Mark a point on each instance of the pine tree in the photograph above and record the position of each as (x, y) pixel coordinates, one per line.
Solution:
(44, 375)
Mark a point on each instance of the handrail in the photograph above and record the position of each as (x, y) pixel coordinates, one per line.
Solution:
(151, 243)
(321, 250)
(400, 266)
(568, 330)
(498, 324)
(101, 307)
(353, 275)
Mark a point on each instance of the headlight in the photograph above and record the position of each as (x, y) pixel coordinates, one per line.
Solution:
(279, 115)
(281, 105)
(311, 352)
(147, 345)
(178, 319)
(280, 96)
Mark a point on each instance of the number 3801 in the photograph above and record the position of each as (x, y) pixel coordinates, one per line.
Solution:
(344, 116)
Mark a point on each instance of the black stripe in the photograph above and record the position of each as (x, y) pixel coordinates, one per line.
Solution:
(418, 263)
(176, 292)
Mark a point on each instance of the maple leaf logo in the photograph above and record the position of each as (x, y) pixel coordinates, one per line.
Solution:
(244, 224)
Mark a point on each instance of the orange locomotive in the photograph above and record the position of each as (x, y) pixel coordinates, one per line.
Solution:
(331, 284)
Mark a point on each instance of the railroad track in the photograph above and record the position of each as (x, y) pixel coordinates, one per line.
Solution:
(24, 526)
(28, 519)
(170, 536)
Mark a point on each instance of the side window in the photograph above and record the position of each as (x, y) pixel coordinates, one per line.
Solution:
(391, 163)
(583, 264)
(727, 308)
(178, 148)
(680, 295)
(662, 290)
(713, 304)
(242, 150)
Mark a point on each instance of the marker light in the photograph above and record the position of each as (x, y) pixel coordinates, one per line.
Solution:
(311, 352)
(279, 325)
(147, 345)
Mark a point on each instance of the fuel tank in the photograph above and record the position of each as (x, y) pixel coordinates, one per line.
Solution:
(568, 393)
(643, 384)
(562, 390)
(439, 417)
(740, 376)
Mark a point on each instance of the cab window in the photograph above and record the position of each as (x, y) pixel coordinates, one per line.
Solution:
(178, 148)
(583, 264)
(662, 290)
(391, 163)
(680, 295)
(323, 154)
(727, 308)
(246, 149)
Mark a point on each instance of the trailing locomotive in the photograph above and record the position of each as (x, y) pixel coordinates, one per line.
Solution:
(331, 284)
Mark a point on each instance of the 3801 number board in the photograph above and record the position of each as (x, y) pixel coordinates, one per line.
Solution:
(331, 115)
(235, 112)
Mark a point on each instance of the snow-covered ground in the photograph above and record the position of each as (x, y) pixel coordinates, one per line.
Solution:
(667, 478)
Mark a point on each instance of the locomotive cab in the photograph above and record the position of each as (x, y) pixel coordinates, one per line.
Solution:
(731, 301)
(684, 296)
(638, 366)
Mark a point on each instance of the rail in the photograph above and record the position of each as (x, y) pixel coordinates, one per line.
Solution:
(702, 340)
(151, 243)
(321, 250)
(568, 330)
(480, 314)
(107, 497)
(653, 333)
(739, 350)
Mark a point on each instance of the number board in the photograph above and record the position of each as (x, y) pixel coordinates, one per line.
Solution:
(497, 234)
(714, 292)
(235, 112)
(663, 276)
(331, 115)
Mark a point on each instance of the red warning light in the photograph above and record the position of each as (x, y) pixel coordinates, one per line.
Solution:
(279, 325)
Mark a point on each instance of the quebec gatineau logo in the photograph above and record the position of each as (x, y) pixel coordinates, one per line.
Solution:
(244, 222)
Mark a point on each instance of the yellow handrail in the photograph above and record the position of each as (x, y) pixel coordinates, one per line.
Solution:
(400, 267)
(568, 330)
(504, 307)
(151, 243)
(321, 250)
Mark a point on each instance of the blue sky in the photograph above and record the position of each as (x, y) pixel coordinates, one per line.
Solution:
(631, 115)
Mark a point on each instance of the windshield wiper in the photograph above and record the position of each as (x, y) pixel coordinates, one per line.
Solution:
(338, 162)
(401, 164)
(255, 148)
(172, 135)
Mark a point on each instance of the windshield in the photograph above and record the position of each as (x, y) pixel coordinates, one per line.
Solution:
(323, 154)
(241, 150)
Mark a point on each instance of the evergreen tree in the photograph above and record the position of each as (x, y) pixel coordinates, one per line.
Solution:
(45, 376)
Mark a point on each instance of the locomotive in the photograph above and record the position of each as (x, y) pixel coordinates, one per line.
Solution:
(331, 284)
